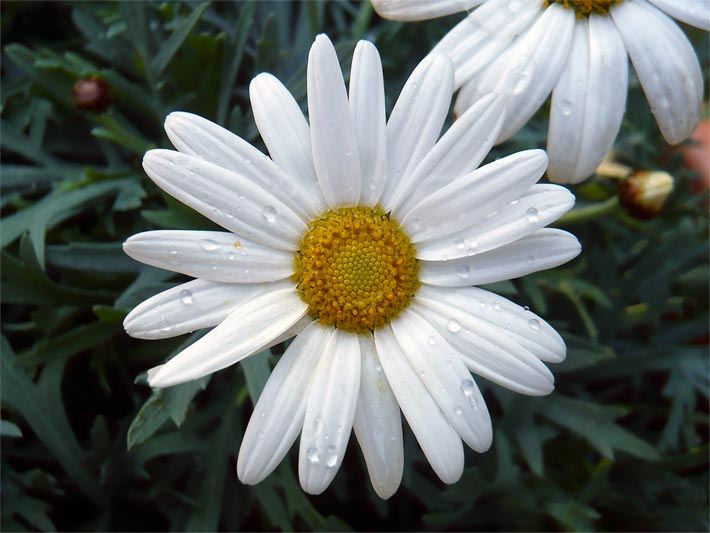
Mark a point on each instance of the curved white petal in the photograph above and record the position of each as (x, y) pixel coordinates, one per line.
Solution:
(666, 65)
(333, 142)
(211, 255)
(411, 10)
(541, 205)
(378, 423)
(367, 107)
(278, 415)
(484, 35)
(527, 71)
(546, 248)
(330, 409)
(486, 350)
(469, 199)
(460, 150)
(194, 135)
(187, 307)
(287, 136)
(416, 120)
(588, 102)
(693, 12)
(230, 199)
(247, 329)
(518, 323)
(443, 373)
(439, 441)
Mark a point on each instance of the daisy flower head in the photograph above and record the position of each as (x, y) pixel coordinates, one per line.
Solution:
(364, 238)
(577, 50)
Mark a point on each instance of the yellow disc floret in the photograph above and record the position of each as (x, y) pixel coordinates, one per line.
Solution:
(584, 8)
(355, 268)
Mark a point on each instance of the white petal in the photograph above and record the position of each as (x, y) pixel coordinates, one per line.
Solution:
(484, 34)
(527, 71)
(416, 119)
(588, 102)
(443, 373)
(211, 255)
(278, 415)
(693, 12)
(367, 107)
(245, 331)
(287, 136)
(230, 199)
(439, 441)
(539, 206)
(194, 135)
(518, 323)
(330, 410)
(378, 423)
(187, 307)
(460, 150)
(546, 248)
(333, 142)
(411, 10)
(469, 199)
(486, 350)
(666, 65)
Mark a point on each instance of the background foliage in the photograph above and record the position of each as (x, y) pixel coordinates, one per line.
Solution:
(620, 445)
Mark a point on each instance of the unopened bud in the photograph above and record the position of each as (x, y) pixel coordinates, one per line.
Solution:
(91, 94)
(644, 192)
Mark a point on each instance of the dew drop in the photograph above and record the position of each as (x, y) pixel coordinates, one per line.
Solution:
(378, 367)
(532, 215)
(526, 308)
(231, 257)
(332, 457)
(565, 106)
(208, 245)
(496, 306)
(534, 324)
(458, 410)
(260, 435)
(459, 243)
(454, 326)
(269, 214)
(464, 271)
(530, 259)
(318, 425)
(186, 297)
(468, 387)
(431, 341)
(312, 455)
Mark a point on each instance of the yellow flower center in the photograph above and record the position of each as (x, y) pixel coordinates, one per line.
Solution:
(584, 8)
(355, 268)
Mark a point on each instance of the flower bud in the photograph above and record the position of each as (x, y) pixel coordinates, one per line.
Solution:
(91, 94)
(644, 192)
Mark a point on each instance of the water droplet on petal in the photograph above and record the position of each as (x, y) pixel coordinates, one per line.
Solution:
(318, 425)
(458, 410)
(464, 271)
(208, 245)
(378, 367)
(186, 296)
(332, 457)
(269, 214)
(468, 387)
(459, 243)
(532, 215)
(312, 455)
(534, 324)
(530, 259)
(431, 341)
(454, 326)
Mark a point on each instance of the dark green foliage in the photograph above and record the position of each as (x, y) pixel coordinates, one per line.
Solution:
(622, 444)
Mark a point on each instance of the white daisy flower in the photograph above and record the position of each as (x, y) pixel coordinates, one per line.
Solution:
(364, 237)
(576, 50)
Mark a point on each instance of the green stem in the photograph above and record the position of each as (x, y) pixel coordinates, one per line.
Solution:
(590, 211)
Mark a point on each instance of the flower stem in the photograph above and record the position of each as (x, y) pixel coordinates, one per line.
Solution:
(590, 211)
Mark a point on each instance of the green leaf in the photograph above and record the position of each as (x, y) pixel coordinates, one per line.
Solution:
(256, 371)
(574, 516)
(8, 429)
(174, 42)
(42, 408)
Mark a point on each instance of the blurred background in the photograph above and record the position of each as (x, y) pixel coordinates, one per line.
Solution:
(622, 444)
